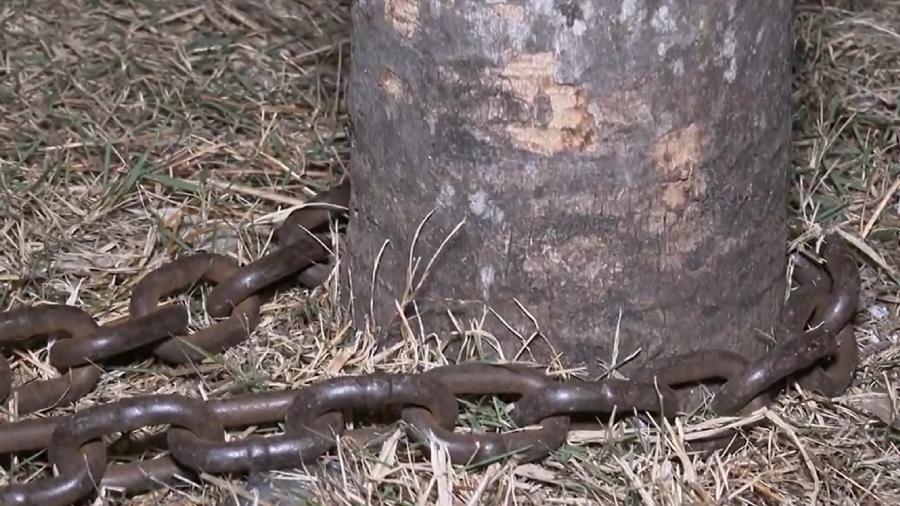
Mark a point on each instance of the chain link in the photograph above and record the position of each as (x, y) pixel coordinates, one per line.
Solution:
(815, 346)
(62, 321)
(489, 379)
(129, 334)
(181, 275)
(802, 348)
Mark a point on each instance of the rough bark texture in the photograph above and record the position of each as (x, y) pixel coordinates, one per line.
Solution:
(617, 164)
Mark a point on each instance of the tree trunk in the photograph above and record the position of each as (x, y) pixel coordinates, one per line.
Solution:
(621, 169)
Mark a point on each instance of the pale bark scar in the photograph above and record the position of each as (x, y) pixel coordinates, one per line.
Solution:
(511, 12)
(560, 120)
(403, 15)
(678, 154)
(393, 85)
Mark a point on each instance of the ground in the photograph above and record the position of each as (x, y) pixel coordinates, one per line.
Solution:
(132, 132)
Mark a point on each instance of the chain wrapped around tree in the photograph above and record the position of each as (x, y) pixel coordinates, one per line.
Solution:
(610, 176)
(815, 347)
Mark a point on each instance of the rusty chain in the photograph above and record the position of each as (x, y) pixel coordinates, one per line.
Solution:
(815, 347)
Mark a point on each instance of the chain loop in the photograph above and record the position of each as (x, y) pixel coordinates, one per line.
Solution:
(834, 377)
(144, 475)
(82, 461)
(256, 453)
(483, 379)
(118, 338)
(180, 275)
(801, 349)
(699, 367)
(813, 290)
(370, 393)
(26, 435)
(834, 374)
(268, 270)
(315, 217)
(594, 397)
(253, 409)
(845, 287)
(816, 347)
(72, 483)
(797, 352)
(73, 383)
(237, 411)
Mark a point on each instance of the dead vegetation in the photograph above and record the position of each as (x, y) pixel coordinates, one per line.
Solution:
(132, 132)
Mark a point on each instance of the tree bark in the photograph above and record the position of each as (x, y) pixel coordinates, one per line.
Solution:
(621, 169)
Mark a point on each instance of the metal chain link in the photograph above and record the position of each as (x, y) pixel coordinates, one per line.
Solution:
(815, 346)
(62, 321)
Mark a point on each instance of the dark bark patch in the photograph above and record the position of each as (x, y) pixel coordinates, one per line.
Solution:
(571, 9)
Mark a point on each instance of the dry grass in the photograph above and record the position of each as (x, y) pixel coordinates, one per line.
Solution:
(131, 132)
